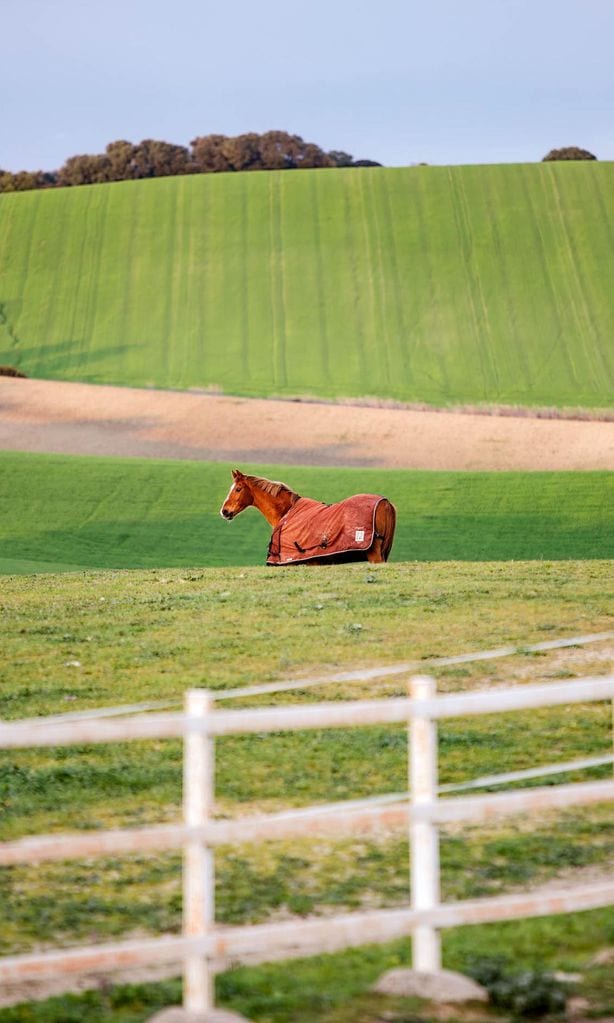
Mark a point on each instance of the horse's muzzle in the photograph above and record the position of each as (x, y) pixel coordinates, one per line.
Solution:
(228, 515)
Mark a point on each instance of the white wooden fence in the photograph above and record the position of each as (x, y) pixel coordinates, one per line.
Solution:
(205, 947)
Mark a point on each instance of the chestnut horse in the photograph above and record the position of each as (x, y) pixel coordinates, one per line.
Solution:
(275, 500)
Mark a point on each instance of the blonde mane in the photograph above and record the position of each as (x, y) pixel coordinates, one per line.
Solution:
(272, 487)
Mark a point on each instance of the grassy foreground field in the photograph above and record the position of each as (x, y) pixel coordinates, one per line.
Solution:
(77, 640)
(67, 512)
(436, 284)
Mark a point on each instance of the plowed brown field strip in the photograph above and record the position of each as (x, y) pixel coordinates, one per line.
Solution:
(85, 419)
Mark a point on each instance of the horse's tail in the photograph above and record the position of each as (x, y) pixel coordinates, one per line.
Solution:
(393, 526)
(386, 525)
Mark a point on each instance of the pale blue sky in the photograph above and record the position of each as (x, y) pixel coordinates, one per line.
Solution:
(473, 81)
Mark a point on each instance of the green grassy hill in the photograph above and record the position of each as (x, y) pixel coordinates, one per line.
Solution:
(436, 284)
(61, 513)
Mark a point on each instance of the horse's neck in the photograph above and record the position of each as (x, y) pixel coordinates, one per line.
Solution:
(273, 508)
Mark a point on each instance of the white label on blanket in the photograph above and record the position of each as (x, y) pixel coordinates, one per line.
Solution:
(359, 535)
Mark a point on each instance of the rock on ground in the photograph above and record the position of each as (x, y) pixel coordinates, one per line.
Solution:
(178, 1015)
(443, 986)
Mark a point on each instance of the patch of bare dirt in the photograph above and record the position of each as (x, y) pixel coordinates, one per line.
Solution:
(86, 419)
(40, 989)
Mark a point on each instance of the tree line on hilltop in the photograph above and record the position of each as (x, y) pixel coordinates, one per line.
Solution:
(208, 154)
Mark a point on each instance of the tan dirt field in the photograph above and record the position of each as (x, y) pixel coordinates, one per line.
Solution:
(88, 419)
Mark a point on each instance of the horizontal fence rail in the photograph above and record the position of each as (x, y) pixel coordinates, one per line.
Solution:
(331, 819)
(261, 942)
(337, 714)
(94, 958)
(333, 933)
(482, 808)
(398, 710)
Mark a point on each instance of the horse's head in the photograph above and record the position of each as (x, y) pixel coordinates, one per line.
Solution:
(239, 496)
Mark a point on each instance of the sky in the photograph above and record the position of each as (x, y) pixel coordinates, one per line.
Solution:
(397, 81)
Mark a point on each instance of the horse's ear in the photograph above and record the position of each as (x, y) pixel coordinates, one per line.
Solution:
(237, 474)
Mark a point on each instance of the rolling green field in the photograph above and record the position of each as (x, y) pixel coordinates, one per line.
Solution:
(98, 638)
(438, 284)
(62, 513)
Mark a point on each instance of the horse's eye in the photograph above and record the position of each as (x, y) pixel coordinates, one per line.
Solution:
(238, 490)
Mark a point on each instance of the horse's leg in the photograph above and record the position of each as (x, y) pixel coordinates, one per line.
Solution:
(375, 554)
(385, 521)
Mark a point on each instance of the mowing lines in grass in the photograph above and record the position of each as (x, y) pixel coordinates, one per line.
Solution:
(445, 285)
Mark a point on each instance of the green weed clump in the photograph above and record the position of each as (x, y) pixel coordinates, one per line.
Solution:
(525, 993)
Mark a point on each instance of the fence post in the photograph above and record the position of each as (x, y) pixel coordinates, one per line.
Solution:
(198, 867)
(423, 835)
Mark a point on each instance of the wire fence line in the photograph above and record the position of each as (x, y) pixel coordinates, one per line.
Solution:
(368, 674)
(486, 780)
(101, 712)
(358, 675)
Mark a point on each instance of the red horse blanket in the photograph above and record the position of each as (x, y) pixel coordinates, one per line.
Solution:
(314, 530)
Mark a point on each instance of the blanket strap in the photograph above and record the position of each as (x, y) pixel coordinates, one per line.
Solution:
(315, 547)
